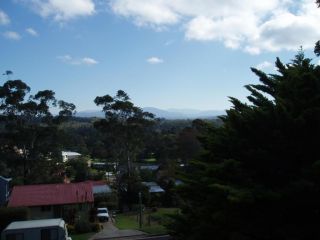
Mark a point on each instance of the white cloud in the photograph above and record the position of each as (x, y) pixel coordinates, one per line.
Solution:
(264, 65)
(62, 10)
(253, 26)
(32, 32)
(145, 13)
(77, 61)
(12, 35)
(4, 19)
(89, 61)
(154, 60)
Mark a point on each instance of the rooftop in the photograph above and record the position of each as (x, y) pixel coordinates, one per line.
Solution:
(50, 194)
(36, 224)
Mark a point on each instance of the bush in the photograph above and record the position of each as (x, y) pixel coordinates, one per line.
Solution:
(71, 229)
(82, 226)
(8, 215)
(136, 207)
(106, 200)
(96, 227)
(102, 204)
(156, 218)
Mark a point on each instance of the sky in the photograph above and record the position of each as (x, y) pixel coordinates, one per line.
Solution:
(187, 54)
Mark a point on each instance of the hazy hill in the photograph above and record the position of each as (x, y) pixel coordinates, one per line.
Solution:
(167, 114)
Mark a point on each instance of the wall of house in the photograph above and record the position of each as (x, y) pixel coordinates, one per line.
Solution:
(41, 213)
(4, 188)
(67, 212)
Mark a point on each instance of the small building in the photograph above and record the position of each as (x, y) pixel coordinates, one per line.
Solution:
(100, 187)
(4, 190)
(153, 187)
(153, 167)
(66, 155)
(53, 200)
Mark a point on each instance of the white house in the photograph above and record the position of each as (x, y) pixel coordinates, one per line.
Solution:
(66, 155)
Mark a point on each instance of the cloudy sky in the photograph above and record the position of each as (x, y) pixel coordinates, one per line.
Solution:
(163, 53)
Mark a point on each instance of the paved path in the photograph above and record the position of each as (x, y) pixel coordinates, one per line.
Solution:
(111, 232)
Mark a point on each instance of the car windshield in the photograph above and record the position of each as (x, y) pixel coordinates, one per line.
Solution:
(102, 211)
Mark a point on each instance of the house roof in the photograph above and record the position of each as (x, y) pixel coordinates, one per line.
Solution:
(36, 224)
(149, 167)
(153, 187)
(99, 187)
(70, 154)
(50, 194)
(5, 179)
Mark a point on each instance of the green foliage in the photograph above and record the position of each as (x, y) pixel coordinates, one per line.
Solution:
(29, 133)
(78, 169)
(82, 226)
(129, 189)
(124, 127)
(96, 227)
(257, 178)
(84, 236)
(109, 200)
(71, 229)
(147, 175)
(8, 215)
(153, 223)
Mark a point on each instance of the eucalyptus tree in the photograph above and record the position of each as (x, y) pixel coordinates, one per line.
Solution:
(29, 131)
(125, 128)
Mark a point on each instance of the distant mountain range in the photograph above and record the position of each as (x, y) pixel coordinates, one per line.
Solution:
(167, 114)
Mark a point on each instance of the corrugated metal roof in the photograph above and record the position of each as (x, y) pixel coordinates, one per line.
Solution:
(50, 194)
(6, 179)
(153, 187)
(101, 189)
(149, 167)
(70, 154)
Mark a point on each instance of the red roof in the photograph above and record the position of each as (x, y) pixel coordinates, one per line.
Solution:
(50, 194)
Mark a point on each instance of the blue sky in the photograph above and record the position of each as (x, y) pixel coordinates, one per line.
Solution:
(163, 53)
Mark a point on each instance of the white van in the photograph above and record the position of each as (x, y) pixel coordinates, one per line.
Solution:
(45, 229)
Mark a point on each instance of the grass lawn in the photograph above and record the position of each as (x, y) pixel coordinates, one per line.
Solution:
(157, 220)
(84, 236)
(150, 160)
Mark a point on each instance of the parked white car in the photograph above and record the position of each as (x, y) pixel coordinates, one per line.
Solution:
(103, 214)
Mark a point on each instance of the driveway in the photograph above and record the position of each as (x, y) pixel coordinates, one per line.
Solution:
(110, 231)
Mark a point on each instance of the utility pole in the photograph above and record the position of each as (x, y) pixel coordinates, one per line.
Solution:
(140, 214)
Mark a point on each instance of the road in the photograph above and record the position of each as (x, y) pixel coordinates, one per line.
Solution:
(111, 232)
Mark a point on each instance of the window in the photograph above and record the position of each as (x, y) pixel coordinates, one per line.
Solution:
(14, 236)
(49, 234)
(45, 208)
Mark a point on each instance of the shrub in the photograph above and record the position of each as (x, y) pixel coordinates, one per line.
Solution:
(96, 227)
(82, 226)
(136, 207)
(8, 215)
(71, 229)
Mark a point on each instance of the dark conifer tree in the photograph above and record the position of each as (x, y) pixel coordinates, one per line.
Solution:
(260, 175)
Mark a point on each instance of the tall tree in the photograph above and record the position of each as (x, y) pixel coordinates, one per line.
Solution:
(259, 177)
(125, 127)
(29, 133)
